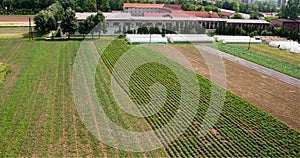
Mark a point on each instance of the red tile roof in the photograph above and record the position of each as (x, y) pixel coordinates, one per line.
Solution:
(200, 14)
(141, 5)
(187, 13)
(207, 15)
(173, 6)
(184, 14)
(165, 15)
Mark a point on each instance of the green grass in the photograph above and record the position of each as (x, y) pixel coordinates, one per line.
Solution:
(263, 60)
(38, 116)
(4, 70)
(274, 53)
(242, 130)
(13, 32)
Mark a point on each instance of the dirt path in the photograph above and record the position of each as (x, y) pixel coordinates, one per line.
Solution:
(271, 95)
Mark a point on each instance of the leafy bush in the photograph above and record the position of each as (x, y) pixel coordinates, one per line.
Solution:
(58, 33)
(4, 70)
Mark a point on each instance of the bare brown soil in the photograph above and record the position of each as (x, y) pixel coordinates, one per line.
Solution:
(15, 18)
(270, 95)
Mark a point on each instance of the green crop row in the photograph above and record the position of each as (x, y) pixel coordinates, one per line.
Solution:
(260, 59)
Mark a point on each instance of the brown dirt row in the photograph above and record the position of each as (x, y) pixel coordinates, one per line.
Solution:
(15, 18)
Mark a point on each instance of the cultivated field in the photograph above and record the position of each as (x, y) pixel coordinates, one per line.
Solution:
(13, 32)
(38, 116)
(271, 95)
(4, 71)
(16, 20)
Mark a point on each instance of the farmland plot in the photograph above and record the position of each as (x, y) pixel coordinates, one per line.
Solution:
(242, 130)
(38, 116)
(37, 113)
(13, 32)
(4, 70)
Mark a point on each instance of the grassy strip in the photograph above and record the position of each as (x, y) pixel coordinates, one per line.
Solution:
(263, 60)
(242, 129)
(4, 71)
(273, 52)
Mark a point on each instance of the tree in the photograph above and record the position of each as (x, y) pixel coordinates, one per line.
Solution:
(254, 15)
(116, 4)
(291, 10)
(143, 30)
(188, 6)
(40, 21)
(237, 16)
(219, 4)
(252, 34)
(100, 23)
(51, 23)
(87, 25)
(106, 6)
(69, 23)
(236, 6)
(46, 20)
(82, 29)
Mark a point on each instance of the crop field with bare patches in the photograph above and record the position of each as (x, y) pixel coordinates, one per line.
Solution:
(38, 116)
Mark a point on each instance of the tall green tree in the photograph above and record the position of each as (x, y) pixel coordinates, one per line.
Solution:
(236, 6)
(100, 23)
(291, 10)
(41, 20)
(116, 4)
(69, 23)
(46, 20)
(106, 6)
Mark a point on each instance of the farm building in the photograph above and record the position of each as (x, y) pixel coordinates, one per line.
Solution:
(122, 22)
(286, 23)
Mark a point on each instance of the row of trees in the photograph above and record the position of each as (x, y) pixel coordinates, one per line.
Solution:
(246, 30)
(93, 23)
(49, 19)
(291, 10)
(28, 7)
(251, 8)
